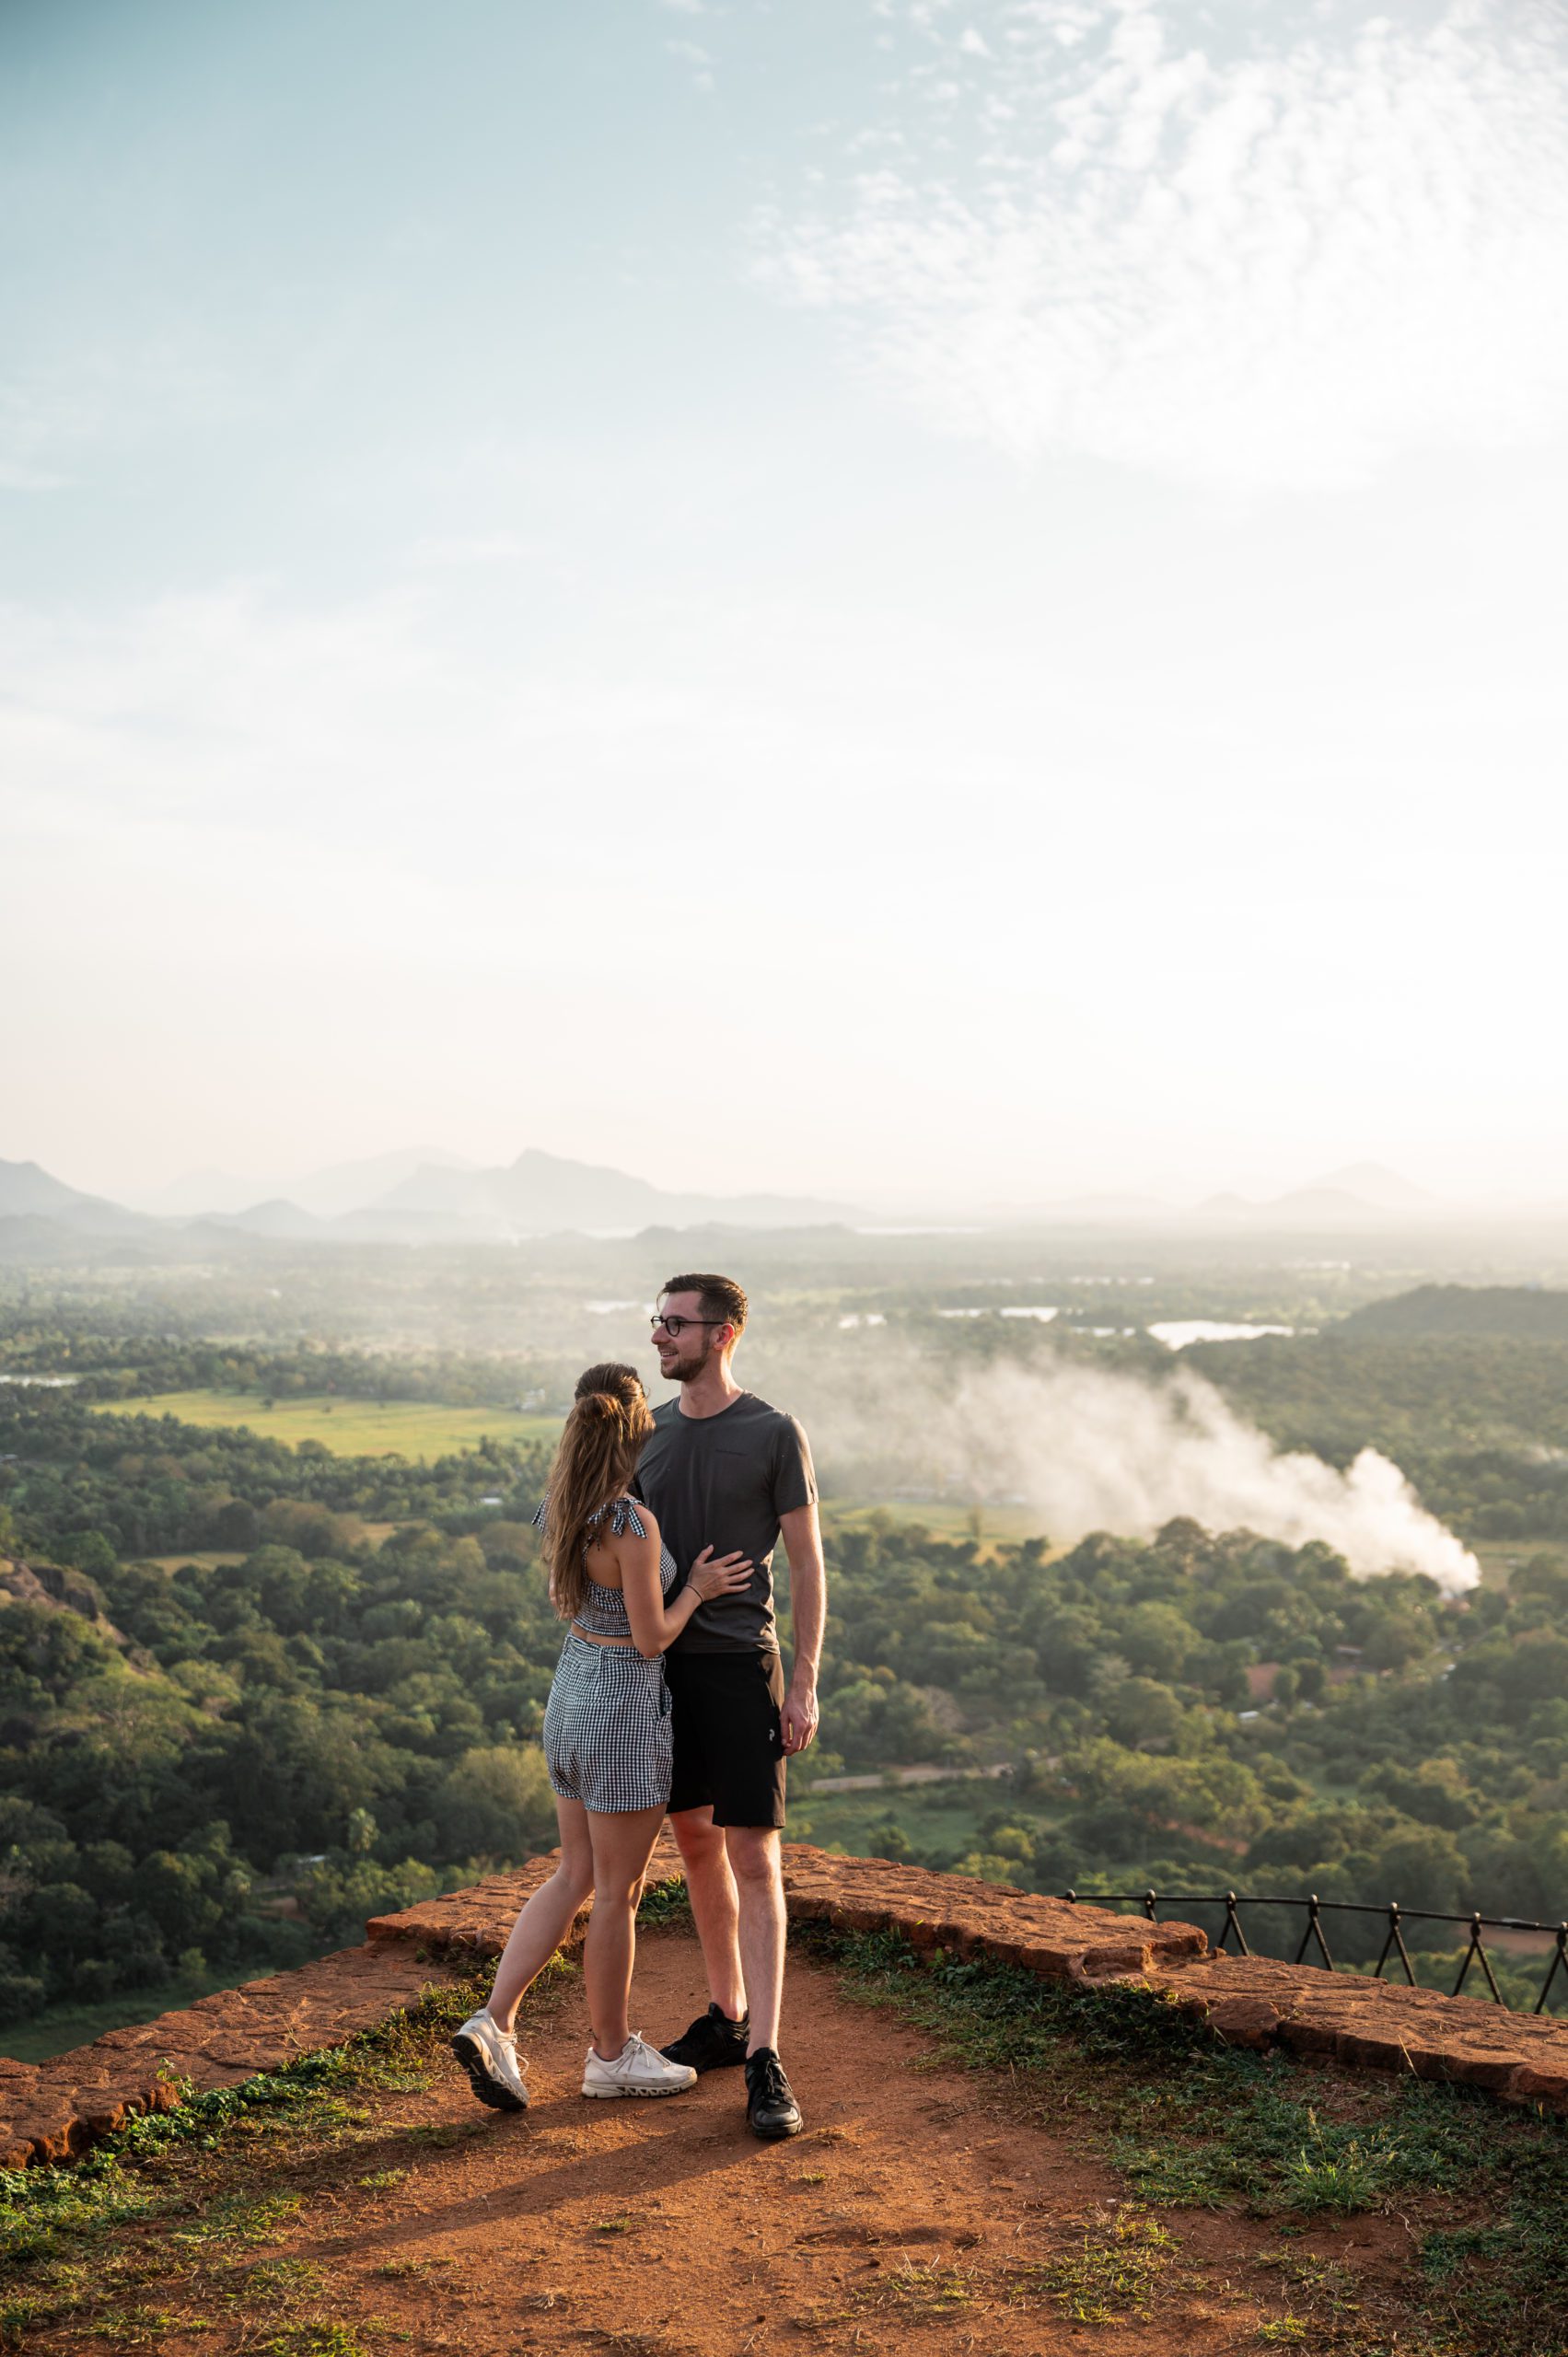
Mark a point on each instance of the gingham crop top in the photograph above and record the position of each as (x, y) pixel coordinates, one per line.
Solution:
(603, 1609)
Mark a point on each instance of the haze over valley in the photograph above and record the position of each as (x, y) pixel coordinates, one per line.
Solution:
(426, 1195)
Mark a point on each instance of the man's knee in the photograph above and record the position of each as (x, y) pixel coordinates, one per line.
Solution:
(698, 1839)
(753, 1853)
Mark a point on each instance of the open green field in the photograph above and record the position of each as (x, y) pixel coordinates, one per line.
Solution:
(411, 1428)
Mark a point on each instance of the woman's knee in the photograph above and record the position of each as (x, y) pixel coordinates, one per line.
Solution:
(615, 1896)
(574, 1878)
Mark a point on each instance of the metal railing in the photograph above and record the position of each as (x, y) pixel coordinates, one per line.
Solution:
(1313, 1935)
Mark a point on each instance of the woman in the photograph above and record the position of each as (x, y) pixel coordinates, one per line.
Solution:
(606, 1742)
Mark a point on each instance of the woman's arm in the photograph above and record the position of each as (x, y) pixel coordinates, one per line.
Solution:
(655, 1624)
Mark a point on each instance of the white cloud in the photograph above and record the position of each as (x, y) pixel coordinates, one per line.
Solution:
(1265, 257)
(695, 55)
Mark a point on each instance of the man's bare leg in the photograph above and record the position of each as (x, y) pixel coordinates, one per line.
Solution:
(758, 1879)
(710, 1886)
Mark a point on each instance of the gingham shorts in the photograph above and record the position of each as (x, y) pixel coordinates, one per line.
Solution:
(607, 1727)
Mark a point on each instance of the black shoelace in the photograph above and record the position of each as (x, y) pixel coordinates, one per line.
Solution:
(768, 2081)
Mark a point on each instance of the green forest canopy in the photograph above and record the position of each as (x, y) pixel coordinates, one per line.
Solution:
(318, 1716)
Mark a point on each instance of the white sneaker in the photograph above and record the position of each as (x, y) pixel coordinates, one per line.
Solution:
(638, 2070)
(489, 2055)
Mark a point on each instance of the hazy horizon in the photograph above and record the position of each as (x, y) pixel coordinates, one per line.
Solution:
(916, 604)
(357, 1183)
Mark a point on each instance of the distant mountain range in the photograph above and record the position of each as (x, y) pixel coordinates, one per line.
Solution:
(422, 1194)
(29, 1193)
(326, 1194)
(1343, 1198)
(413, 1197)
(1361, 1191)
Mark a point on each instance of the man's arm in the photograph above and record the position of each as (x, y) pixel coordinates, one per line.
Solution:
(808, 1610)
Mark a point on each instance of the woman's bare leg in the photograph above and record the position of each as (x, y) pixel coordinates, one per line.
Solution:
(623, 1841)
(545, 1920)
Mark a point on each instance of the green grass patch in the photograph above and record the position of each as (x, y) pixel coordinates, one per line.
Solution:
(277, 2282)
(241, 2220)
(133, 2327)
(1189, 2123)
(666, 1903)
(416, 1428)
(315, 2340)
(1113, 2274)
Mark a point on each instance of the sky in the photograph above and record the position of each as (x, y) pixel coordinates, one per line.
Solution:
(925, 602)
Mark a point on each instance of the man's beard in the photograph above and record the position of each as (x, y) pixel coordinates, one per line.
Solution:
(685, 1368)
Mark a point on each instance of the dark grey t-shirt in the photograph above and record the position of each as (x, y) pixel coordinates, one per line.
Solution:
(724, 1481)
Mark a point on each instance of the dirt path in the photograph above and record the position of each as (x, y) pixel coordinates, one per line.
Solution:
(926, 2209)
(913, 2214)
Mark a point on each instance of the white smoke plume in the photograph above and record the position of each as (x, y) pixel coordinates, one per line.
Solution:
(1100, 1451)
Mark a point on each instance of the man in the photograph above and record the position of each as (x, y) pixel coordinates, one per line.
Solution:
(725, 1469)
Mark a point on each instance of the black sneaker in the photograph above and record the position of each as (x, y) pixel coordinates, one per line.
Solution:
(770, 2108)
(712, 2043)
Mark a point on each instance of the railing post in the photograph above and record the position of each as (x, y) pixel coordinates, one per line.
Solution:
(1233, 1923)
(1149, 1904)
(1396, 1940)
(1559, 1958)
(1313, 1931)
(1476, 1950)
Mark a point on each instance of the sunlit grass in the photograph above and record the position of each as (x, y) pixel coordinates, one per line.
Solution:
(411, 1428)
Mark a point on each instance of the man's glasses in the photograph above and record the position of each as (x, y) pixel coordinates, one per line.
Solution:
(676, 1327)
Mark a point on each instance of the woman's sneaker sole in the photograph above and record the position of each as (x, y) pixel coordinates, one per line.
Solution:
(612, 2094)
(471, 2054)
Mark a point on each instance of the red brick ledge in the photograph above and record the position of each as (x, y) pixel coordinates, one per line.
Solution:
(52, 2111)
(1341, 2019)
(1359, 2024)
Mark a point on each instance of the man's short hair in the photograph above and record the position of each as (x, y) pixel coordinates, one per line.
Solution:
(722, 1298)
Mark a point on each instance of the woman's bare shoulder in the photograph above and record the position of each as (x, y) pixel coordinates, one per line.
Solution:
(623, 1519)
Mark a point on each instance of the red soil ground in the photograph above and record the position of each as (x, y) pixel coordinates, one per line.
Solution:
(908, 2216)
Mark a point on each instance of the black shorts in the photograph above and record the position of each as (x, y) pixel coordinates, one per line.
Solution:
(725, 1717)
